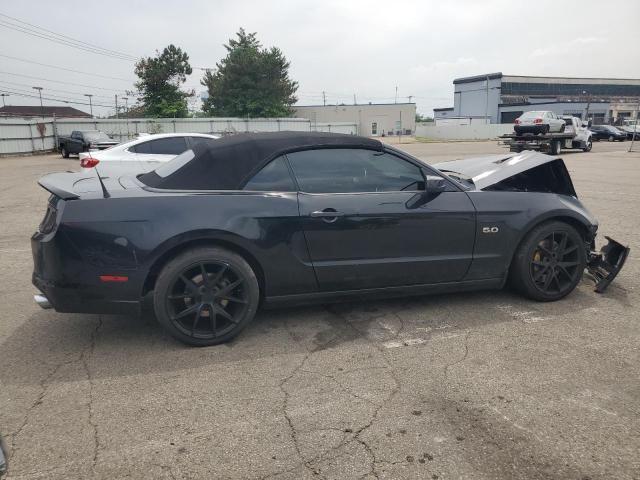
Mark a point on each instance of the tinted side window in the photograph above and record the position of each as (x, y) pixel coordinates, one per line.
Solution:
(274, 177)
(168, 146)
(162, 146)
(353, 170)
(144, 147)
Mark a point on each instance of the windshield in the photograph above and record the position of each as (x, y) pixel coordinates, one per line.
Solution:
(97, 137)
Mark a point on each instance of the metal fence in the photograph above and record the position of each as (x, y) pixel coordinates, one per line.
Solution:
(19, 136)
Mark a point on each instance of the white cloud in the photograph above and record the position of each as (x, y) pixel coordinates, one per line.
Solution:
(341, 47)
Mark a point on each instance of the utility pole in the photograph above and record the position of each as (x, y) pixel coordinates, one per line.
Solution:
(324, 98)
(486, 107)
(90, 103)
(126, 110)
(410, 97)
(40, 93)
(4, 95)
(354, 99)
(396, 99)
(584, 92)
(117, 106)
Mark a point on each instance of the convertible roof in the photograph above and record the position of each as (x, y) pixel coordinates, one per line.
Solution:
(228, 163)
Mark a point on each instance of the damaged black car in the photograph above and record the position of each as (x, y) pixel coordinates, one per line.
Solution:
(274, 218)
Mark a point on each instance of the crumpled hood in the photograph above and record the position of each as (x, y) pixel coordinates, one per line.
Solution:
(492, 169)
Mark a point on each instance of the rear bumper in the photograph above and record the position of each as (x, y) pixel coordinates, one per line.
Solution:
(70, 284)
(80, 299)
(535, 129)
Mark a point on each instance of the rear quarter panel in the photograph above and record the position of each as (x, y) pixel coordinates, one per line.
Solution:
(131, 234)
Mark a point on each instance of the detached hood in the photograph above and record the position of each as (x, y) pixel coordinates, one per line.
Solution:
(527, 171)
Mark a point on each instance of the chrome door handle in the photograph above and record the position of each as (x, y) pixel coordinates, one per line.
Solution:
(328, 215)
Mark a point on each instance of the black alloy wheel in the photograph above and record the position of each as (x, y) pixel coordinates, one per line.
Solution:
(206, 296)
(555, 263)
(550, 262)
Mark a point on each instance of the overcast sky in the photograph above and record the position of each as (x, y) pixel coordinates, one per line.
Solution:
(342, 47)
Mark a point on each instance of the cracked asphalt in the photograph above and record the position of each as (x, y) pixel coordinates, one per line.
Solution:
(474, 386)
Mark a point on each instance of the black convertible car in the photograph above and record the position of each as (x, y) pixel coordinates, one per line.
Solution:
(296, 217)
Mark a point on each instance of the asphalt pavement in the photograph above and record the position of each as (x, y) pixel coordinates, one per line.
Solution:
(475, 386)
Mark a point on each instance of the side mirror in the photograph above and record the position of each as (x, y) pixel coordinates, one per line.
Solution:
(435, 184)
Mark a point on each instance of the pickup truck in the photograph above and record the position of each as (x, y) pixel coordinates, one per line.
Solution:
(83, 141)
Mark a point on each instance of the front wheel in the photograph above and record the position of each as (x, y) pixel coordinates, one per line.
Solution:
(549, 262)
(611, 139)
(206, 296)
(64, 152)
(588, 146)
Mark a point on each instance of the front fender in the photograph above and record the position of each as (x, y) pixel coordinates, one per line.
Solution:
(504, 218)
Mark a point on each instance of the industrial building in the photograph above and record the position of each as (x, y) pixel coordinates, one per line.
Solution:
(372, 119)
(499, 98)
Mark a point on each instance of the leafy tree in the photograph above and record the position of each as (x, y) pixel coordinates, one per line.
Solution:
(250, 81)
(423, 118)
(160, 80)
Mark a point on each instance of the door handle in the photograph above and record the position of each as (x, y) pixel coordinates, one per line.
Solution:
(328, 215)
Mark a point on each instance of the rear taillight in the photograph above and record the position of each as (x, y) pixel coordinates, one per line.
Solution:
(49, 221)
(537, 120)
(89, 162)
(516, 121)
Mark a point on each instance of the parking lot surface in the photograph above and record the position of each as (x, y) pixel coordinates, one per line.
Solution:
(482, 385)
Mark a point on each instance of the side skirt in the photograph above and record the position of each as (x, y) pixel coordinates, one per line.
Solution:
(385, 292)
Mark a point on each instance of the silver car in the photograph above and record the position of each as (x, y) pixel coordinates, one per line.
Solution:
(542, 121)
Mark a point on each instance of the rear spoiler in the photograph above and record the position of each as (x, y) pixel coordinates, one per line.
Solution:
(60, 185)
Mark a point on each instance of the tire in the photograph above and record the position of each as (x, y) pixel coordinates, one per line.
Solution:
(562, 128)
(539, 275)
(64, 152)
(546, 129)
(588, 146)
(199, 313)
(611, 139)
(556, 147)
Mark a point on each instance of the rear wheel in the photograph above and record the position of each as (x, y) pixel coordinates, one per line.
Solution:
(611, 139)
(556, 147)
(549, 262)
(206, 296)
(562, 128)
(63, 152)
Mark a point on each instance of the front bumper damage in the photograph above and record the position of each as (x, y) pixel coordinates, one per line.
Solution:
(604, 266)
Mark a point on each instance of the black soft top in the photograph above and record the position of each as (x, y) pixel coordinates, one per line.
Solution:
(228, 163)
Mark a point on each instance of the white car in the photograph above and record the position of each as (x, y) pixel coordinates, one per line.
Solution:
(542, 121)
(141, 155)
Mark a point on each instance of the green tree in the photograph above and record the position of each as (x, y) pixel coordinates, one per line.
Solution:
(423, 118)
(250, 81)
(160, 80)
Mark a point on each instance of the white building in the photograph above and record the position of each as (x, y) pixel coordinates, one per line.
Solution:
(372, 119)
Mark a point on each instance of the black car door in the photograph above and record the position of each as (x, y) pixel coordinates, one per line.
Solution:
(369, 223)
